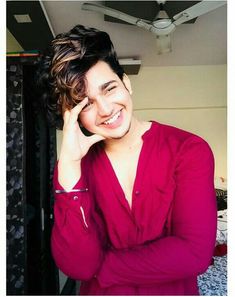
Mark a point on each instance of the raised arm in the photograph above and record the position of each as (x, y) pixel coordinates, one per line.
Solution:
(77, 239)
(77, 234)
(189, 248)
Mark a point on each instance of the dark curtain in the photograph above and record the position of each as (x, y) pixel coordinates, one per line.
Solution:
(31, 156)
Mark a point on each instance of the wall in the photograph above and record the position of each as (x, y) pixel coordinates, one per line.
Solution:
(12, 43)
(189, 97)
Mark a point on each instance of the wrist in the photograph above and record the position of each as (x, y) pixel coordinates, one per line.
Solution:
(63, 161)
(69, 172)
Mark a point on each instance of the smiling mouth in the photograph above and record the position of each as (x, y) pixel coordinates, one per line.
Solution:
(113, 119)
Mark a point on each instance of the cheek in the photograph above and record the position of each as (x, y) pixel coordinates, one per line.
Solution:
(128, 99)
(86, 119)
(124, 96)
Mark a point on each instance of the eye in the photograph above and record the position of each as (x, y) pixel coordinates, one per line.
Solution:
(110, 89)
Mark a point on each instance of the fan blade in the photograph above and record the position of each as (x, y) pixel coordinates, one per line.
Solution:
(116, 14)
(196, 10)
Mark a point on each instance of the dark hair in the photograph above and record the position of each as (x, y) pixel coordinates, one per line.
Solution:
(62, 69)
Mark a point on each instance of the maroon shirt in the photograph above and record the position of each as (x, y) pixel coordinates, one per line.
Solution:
(160, 244)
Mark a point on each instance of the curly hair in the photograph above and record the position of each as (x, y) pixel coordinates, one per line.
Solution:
(62, 69)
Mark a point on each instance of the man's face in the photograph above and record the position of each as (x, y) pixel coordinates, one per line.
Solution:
(109, 110)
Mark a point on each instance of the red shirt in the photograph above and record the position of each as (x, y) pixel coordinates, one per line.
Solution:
(161, 244)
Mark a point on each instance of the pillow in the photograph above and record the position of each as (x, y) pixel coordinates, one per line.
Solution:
(221, 236)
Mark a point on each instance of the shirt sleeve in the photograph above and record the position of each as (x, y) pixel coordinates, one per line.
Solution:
(188, 250)
(77, 239)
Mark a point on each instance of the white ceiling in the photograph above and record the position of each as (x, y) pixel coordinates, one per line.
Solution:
(201, 43)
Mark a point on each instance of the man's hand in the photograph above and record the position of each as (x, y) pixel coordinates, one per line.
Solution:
(75, 146)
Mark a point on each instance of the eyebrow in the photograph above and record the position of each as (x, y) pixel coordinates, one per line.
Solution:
(105, 85)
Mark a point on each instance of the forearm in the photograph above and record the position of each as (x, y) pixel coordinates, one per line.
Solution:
(69, 172)
(77, 231)
(189, 248)
(76, 246)
(166, 260)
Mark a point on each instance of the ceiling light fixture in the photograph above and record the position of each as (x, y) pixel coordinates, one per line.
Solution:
(22, 18)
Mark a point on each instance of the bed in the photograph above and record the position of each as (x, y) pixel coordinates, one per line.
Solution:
(214, 281)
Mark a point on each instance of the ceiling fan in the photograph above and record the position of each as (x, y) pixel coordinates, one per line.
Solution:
(162, 25)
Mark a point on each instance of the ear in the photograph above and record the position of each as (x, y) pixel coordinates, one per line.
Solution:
(127, 83)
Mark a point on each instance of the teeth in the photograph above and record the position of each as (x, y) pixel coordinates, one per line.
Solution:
(113, 119)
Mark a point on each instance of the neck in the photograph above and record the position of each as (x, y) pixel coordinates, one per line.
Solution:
(128, 141)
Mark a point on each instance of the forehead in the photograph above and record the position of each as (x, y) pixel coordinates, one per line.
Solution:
(100, 74)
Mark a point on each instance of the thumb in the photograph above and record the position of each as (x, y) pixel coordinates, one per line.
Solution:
(95, 138)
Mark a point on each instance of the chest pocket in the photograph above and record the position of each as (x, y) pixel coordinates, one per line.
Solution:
(153, 214)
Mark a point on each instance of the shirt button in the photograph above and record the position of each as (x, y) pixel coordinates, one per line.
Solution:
(75, 198)
(137, 192)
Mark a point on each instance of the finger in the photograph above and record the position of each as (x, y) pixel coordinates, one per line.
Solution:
(66, 116)
(95, 138)
(77, 109)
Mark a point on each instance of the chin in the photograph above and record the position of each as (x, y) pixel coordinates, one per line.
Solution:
(117, 133)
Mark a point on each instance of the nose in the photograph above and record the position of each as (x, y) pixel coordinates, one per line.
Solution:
(104, 107)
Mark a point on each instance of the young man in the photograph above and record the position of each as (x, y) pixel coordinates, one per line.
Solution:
(135, 207)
